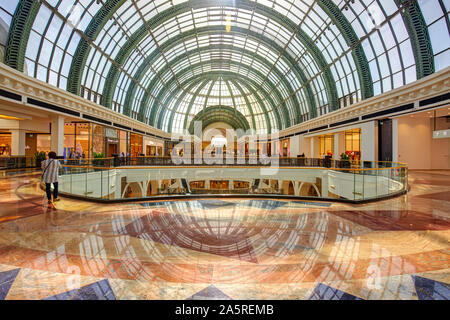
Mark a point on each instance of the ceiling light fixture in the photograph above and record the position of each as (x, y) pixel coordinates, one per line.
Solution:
(228, 23)
(2, 116)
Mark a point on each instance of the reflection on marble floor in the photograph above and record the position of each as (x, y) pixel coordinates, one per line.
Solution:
(225, 249)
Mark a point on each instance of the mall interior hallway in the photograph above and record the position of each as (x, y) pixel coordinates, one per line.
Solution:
(225, 249)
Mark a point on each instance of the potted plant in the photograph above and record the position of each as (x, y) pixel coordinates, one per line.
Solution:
(98, 159)
(345, 159)
(40, 156)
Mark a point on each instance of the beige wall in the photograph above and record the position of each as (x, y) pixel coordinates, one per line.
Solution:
(305, 146)
(416, 145)
(294, 146)
(414, 142)
(440, 148)
(340, 144)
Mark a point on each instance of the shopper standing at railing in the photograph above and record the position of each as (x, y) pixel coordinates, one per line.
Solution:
(50, 169)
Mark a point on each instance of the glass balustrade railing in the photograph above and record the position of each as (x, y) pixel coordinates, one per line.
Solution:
(310, 179)
(16, 162)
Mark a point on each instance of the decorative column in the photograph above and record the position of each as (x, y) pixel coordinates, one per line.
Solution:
(395, 140)
(368, 141)
(336, 154)
(57, 135)
(17, 142)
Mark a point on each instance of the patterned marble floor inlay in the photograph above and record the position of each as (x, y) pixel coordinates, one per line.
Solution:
(428, 289)
(6, 281)
(97, 291)
(210, 293)
(324, 292)
(225, 248)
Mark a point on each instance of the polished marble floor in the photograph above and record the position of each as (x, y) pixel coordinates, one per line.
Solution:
(225, 249)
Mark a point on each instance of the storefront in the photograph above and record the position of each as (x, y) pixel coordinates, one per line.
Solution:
(43, 143)
(88, 140)
(137, 142)
(112, 142)
(285, 148)
(353, 143)
(153, 147)
(326, 145)
(178, 148)
(30, 145)
(77, 140)
(266, 148)
(5, 144)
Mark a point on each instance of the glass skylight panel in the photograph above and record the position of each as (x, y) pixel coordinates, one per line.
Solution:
(7, 9)
(388, 48)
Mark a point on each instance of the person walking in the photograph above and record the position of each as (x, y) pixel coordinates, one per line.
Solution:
(50, 169)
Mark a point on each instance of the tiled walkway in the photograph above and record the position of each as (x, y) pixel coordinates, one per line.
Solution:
(225, 249)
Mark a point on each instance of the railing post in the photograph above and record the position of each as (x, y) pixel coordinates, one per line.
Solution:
(101, 183)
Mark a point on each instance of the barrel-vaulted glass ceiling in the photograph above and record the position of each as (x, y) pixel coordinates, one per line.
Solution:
(278, 63)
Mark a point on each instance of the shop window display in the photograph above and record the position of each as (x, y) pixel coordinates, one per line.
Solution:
(136, 145)
(124, 138)
(77, 140)
(5, 144)
(98, 139)
(326, 145)
(353, 144)
(285, 148)
(43, 143)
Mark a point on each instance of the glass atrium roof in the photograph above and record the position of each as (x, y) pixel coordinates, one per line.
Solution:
(277, 62)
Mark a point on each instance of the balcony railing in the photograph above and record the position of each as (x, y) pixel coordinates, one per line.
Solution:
(291, 178)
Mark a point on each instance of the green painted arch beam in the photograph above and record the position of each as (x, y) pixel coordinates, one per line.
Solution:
(220, 114)
(247, 102)
(219, 30)
(230, 48)
(82, 52)
(24, 18)
(261, 60)
(19, 33)
(162, 113)
(169, 98)
(203, 84)
(144, 102)
(263, 106)
(154, 108)
(172, 12)
(352, 40)
(212, 75)
(232, 97)
(172, 113)
(420, 38)
(184, 93)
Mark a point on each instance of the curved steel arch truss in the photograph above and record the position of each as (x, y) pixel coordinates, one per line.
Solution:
(227, 77)
(126, 50)
(165, 90)
(296, 107)
(219, 113)
(317, 53)
(218, 30)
